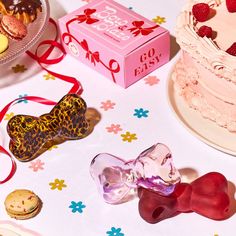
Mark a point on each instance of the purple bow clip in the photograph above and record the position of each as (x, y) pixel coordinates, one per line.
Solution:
(118, 180)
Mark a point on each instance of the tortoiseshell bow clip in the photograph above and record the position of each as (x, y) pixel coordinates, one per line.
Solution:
(117, 180)
(31, 136)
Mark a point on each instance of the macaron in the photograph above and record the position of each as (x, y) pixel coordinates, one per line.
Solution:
(12, 28)
(22, 204)
(3, 43)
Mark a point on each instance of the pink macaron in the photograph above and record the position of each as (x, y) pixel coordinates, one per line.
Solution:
(12, 28)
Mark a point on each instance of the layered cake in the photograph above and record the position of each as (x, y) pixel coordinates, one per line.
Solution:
(205, 75)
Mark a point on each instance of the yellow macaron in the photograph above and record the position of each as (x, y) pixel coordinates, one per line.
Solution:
(22, 204)
(3, 43)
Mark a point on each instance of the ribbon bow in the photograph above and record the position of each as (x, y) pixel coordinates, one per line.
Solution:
(118, 180)
(87, 17)
(92, 56)
(207, 196)
(30, 136)
(137, 29)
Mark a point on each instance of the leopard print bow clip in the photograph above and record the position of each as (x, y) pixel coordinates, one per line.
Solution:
(30, 136)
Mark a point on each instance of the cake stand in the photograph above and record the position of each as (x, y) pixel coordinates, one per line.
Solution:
(35, 31)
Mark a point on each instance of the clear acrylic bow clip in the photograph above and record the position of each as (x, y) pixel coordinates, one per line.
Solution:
(118, 180)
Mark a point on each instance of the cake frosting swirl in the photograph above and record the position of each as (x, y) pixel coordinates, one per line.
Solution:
(205, 75)
(206, 50)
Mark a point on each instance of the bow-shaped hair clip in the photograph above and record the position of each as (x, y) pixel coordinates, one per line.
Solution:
(30, 136)
(207, 196)
(118, 180)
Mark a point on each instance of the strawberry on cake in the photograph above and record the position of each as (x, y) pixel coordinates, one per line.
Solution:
(205, 75)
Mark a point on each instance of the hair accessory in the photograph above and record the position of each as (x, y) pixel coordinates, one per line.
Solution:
(31, 136)
(207, 196)
(118, 180)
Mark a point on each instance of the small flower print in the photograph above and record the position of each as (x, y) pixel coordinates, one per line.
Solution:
(59, 184)
(107, 105)
(114, 232)
(77, 207)
(141, 113)
(9, 116)
(23, 99)
(53, 147)
(151, 80)
(128, 137)
(49, 76)
(114, 129)
(36, 165)
(19, 68)
(159, 20)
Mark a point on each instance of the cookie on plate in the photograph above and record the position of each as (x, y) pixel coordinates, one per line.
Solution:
(22, 204)
(12, 28)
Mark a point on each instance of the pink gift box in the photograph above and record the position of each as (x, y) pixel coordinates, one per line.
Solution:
(115, 41)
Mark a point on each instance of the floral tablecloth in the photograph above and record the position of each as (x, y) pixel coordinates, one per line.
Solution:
(132, 120)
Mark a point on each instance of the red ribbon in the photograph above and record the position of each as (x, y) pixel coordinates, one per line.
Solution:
(94, 55)
(42, 59)
(3, 113)
(87, 17)
(13, 165)
(137, 29)
(82, 18)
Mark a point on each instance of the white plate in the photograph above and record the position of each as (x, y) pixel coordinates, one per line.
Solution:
(204, 129)
(35, 31)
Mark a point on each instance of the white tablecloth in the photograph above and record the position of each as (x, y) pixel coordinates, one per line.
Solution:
(70, 161)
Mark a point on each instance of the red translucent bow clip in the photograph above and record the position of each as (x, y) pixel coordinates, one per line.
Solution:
(207, 196)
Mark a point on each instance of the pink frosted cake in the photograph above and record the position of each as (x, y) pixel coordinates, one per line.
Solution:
(205, 75)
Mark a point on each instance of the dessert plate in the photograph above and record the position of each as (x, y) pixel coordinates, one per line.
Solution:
(35, 31)
(204, 129)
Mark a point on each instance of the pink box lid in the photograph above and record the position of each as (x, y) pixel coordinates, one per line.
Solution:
(114, 26)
